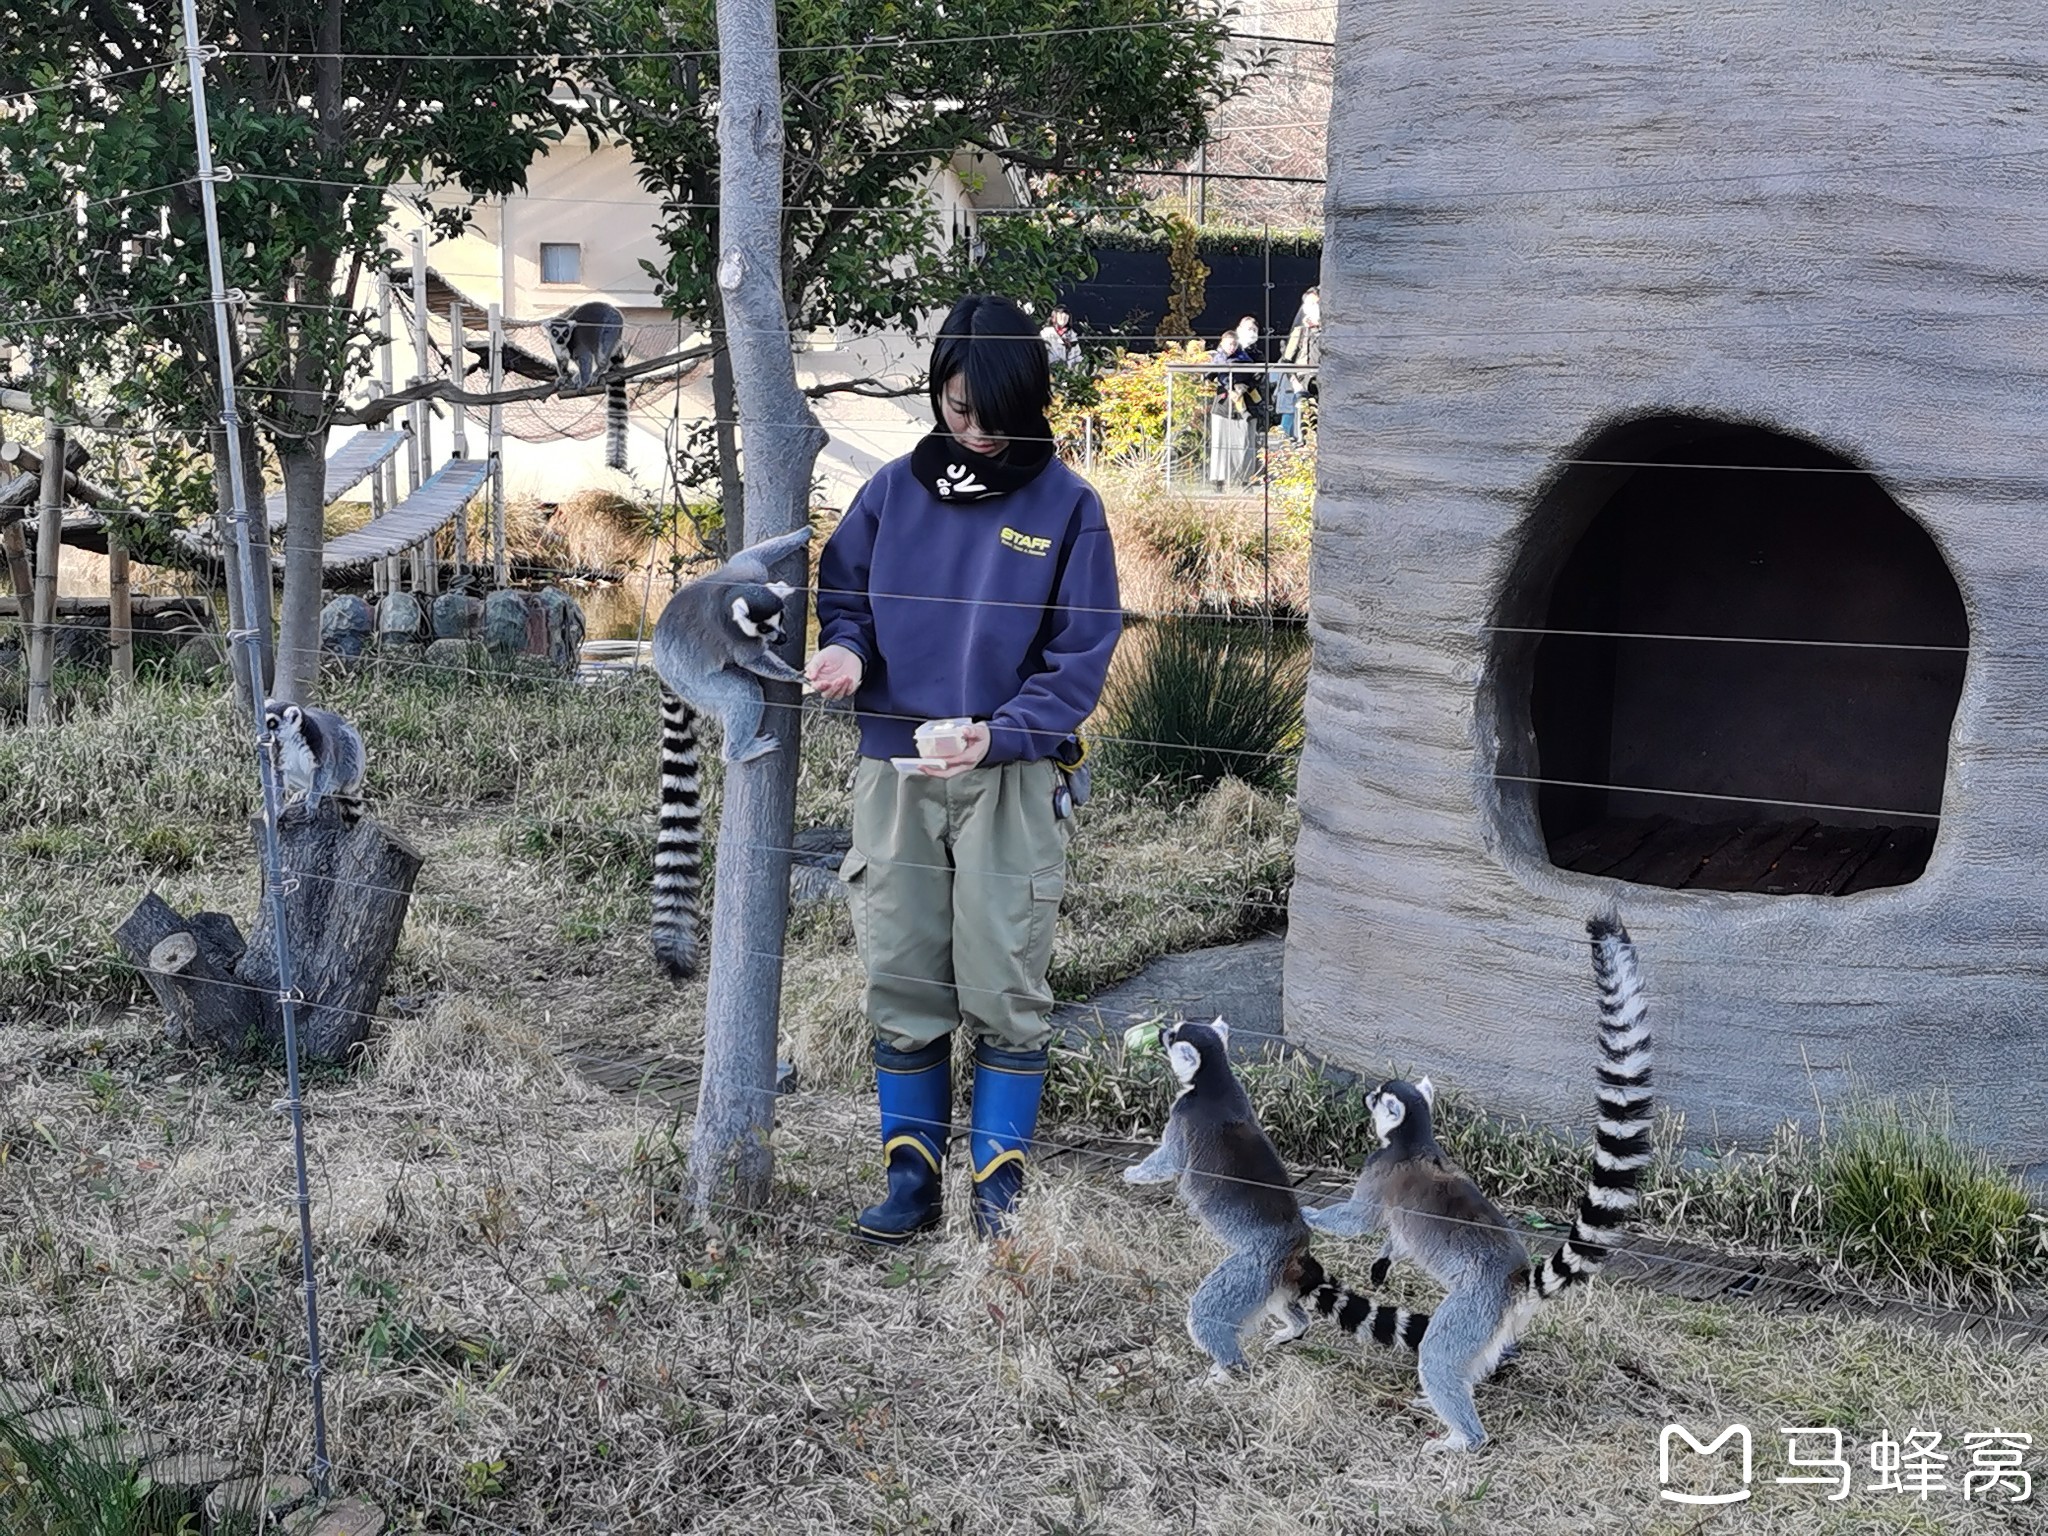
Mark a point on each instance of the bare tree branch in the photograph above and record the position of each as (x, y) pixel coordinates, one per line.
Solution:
(386, 406)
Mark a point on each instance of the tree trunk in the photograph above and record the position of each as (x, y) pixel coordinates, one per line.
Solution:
(346, 891)
(189, 962)
(730, 1156)
(725, 423)
(298, 642)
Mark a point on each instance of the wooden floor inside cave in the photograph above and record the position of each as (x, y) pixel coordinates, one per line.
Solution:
(1775, 858)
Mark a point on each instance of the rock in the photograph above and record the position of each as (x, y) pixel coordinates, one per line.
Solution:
(70, 1422)
(238, 1502)
(457, 616)
(189, 1471)
(346, 625)
(201, 659)
(344, 1517)
(505, 624)
(401, 620)
(815, 857)
(458, 655)
(81, 642)
(566, 627)
(1540, 365)
(18, 1396)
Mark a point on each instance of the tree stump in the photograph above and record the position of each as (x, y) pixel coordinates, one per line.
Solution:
(346, 890)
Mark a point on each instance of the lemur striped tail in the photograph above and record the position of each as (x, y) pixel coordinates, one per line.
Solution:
(676, 843)
(1621, 1139)
(615, 424)
(1388, 1326)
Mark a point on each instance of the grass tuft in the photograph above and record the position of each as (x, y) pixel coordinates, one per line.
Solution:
(1179, 554)
(82, 1484)
(1901, 1196)
(1199, 702)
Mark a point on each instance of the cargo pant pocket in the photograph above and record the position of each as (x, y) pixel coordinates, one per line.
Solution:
(853, 875)
(1047, 888)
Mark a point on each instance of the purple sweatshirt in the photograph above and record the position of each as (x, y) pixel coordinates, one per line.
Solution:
(1003, 609)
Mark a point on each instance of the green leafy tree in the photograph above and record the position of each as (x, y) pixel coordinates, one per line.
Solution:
(876, 93)
(324, 113)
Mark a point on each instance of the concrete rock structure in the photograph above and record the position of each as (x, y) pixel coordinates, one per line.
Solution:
(1646, 321)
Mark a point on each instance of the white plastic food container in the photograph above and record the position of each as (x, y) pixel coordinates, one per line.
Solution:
(942, 738)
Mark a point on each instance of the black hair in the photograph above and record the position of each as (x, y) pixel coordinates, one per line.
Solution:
(994, 346)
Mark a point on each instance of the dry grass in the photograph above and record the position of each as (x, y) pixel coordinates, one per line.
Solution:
(593, 530)
(520, 1331)
(1177, 553)
(523, 1333)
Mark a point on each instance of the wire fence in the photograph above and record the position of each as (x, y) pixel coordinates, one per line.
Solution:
(549, 1329)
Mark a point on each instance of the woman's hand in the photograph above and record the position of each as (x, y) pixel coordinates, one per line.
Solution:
(973, 749)
(835, 672)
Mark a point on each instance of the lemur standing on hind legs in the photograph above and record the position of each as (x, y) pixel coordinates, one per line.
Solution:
(711, 650)
(1433, 1213)
(1232, 1178)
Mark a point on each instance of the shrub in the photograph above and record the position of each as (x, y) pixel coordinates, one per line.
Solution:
(1195, 702)
(1128, 408)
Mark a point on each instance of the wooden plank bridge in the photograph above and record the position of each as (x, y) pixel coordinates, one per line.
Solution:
(414, 520)
(347, 467)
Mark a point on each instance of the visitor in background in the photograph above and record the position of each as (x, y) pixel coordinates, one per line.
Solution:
(1305, 347)
(1062, 342)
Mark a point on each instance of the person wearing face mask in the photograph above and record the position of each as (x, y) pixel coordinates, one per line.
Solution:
(970, 586)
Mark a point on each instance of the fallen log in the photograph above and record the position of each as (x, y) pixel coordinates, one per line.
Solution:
(346, 889)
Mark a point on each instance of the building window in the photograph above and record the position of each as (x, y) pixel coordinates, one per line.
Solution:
(561, 263)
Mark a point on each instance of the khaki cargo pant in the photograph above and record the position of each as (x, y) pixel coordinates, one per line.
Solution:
(955, 887)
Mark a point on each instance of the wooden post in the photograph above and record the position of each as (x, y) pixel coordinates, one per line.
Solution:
(458, 368)
(501, 573)
(120, 620)
(422, 433)
(385, 381)
(42, 655)
(379, 573)
(15, 547)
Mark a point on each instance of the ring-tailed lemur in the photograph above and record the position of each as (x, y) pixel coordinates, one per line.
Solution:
(590, 340)
(1434, 1214)
(319, 756)
(711, 650)
(1232, 1178)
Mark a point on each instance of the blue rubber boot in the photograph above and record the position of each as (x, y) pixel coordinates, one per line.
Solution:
(1007, 1085)
(916, 1091)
